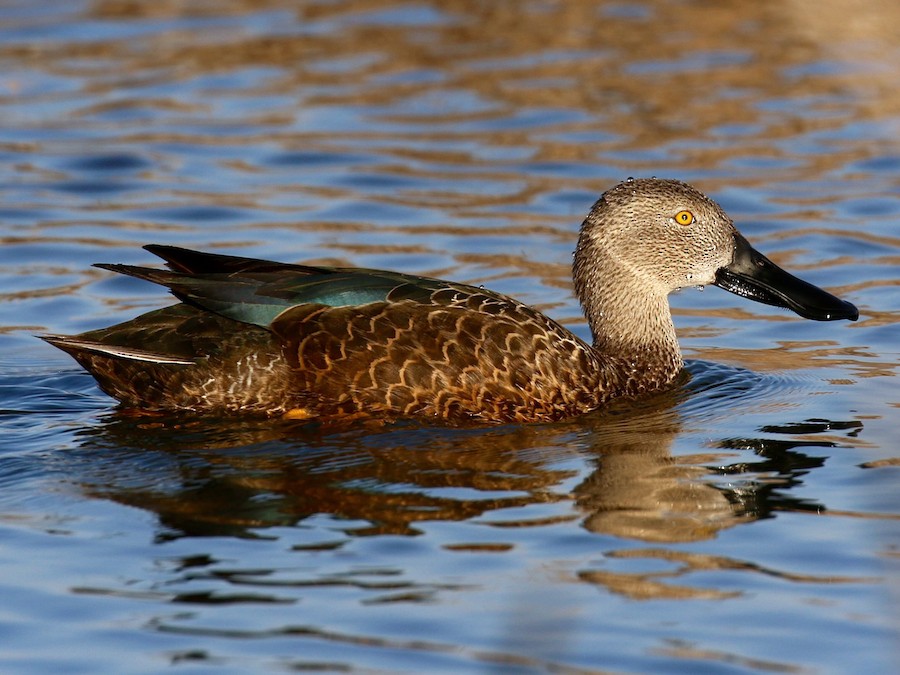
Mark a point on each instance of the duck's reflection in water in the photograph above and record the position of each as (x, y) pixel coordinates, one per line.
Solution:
(628, 476)
(239, 477)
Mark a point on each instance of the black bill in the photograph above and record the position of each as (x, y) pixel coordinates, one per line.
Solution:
(752, 275)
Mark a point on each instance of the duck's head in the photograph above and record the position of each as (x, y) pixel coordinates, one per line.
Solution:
(667, 235)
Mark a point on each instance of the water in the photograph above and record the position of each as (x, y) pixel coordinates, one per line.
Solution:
(745, 522)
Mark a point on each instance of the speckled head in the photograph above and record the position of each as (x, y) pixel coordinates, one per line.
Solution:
(664, 233)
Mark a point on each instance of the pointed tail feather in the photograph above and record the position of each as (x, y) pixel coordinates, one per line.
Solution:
(161, 277)
(74, 345)
(197, 262)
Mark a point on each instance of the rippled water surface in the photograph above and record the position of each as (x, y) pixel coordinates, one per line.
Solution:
(745, 522)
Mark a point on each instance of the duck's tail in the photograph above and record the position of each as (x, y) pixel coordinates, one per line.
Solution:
(77, 346)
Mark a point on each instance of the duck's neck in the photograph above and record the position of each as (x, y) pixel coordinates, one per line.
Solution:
(630, 323)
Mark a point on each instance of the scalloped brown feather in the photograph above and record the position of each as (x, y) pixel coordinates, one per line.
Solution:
(478, 359)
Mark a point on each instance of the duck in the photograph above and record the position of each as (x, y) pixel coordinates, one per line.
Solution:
(255, 337)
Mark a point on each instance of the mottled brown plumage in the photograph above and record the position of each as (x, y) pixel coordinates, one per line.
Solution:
(259, 337)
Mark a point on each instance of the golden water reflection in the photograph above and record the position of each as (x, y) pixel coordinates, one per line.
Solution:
(465, 64)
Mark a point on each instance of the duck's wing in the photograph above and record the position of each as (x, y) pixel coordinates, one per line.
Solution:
(257, 291)
(218, 290)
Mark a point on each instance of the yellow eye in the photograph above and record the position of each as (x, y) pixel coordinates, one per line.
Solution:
(684, 217)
